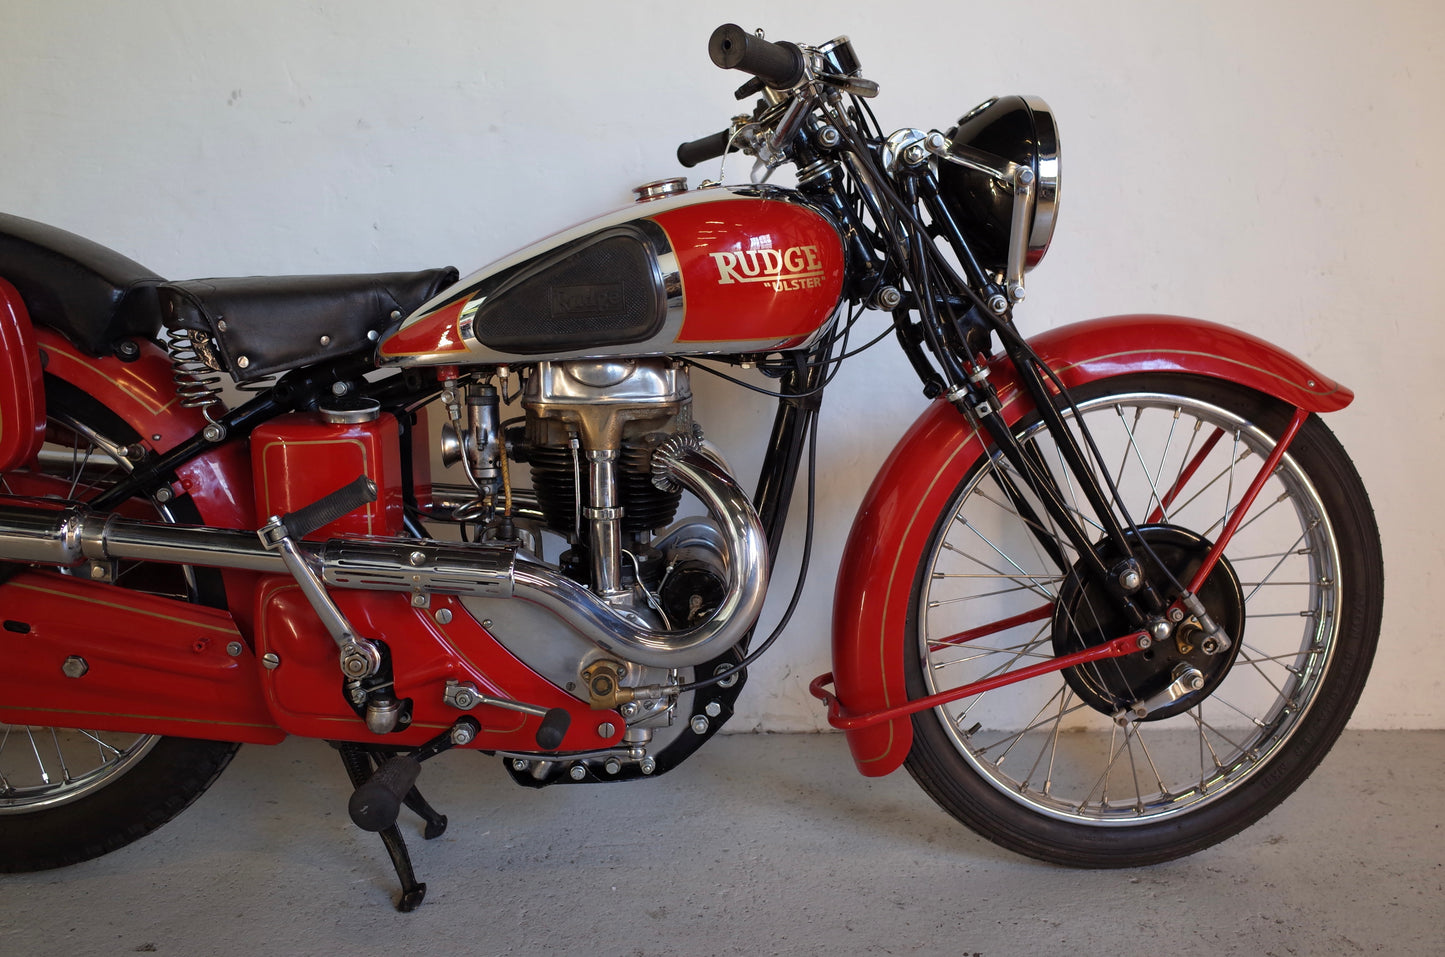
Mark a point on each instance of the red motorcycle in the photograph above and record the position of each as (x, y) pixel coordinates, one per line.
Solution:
(1110, 600)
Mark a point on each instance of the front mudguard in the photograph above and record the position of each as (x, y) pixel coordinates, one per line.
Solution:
(891, 532)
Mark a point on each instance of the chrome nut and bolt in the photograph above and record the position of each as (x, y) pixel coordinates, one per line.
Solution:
(647, 765)
(74, 667)
(699, 724)
(713, 709)
(888, 298)
(577, 773)
(1130, 579)
(462, 698)
(612, 766)
(462, 735)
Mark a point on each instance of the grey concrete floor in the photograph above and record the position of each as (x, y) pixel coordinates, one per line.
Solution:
(762, 844)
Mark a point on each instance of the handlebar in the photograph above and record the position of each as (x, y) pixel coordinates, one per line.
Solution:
(701, 150)
(779, 65)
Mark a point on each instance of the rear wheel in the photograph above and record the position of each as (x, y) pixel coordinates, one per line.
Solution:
(1060, 767)
(67, 795)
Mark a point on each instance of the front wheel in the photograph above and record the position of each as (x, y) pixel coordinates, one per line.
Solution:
(1061, 768)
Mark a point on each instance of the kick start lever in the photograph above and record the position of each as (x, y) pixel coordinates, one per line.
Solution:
(360, 658)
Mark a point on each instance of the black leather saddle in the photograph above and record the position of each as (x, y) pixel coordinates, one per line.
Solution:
(253, 327)
(261, 325)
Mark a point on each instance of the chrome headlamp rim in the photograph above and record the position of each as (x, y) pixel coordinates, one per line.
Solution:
(986, 151)
(1046, 179)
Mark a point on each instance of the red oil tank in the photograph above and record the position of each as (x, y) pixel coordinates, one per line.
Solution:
(721, 270)
(299, 457)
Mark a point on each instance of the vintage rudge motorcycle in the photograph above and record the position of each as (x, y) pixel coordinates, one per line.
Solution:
(1111, 598)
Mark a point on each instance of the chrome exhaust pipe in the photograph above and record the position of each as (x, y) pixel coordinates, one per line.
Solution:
(45, 532)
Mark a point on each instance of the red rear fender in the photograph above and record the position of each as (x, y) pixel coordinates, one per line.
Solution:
(891, 531)
(143, 393)
(22, 396)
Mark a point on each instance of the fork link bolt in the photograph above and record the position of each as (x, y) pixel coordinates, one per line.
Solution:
(1176, 615)
(647, 765)
(577, 773)
(1144, 642)
(1130, 579)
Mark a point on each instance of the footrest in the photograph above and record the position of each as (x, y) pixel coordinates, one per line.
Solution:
(374, 805)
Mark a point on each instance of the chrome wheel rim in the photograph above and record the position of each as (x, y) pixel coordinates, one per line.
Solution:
(1037, 742)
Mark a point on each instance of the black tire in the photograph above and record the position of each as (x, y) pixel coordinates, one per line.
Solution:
(71, 795)
(1046, 767)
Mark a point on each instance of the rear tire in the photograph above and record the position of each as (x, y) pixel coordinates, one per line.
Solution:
(1041, 767)
(68, 795)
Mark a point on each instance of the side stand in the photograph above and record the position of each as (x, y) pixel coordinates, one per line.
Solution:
(363, 766)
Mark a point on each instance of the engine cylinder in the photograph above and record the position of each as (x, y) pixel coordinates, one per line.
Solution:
(629, 406)
(645, 507)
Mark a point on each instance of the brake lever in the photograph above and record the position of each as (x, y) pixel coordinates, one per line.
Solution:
(855, 85)
(748, 89)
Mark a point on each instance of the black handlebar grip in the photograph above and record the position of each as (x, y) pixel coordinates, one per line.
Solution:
(329, 508)
(553, 729)
(700, 151)
(375, 805)
(779, 65)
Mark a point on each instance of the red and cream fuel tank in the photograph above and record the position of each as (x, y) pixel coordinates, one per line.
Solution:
(717, 270)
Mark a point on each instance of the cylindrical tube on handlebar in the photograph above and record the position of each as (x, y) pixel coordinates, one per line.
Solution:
(780, 65)
(702, 150)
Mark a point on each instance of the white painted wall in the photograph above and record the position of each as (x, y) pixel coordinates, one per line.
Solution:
(1273, 164)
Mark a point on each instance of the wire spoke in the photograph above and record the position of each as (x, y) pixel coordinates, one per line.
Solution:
(1054, 747)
